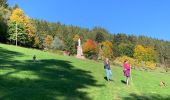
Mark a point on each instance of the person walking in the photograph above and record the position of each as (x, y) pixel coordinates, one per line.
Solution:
(127, 71)
(107, 69)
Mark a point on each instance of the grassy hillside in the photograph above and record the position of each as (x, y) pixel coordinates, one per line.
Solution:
(55, 77)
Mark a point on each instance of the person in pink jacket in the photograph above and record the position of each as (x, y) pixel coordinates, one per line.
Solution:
(126, 70)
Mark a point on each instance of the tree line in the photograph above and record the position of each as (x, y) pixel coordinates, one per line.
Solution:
(97, 43)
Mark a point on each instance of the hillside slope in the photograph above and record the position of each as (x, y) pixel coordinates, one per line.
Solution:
(56, 77)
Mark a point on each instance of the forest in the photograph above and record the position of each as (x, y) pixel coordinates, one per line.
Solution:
(98, 43)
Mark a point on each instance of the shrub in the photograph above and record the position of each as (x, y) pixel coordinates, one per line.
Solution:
(120, 60)
(150, 65)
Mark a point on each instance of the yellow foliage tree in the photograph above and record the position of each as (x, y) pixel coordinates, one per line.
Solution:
(139, 52)
(30, 29)
(145, 53)
(48, 41)
(19, 17)
(106, 49)
(36, 42)
(145, 56)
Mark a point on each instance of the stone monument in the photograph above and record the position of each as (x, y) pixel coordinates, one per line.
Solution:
(79, 50)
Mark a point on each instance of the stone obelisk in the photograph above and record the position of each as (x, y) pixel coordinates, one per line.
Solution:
(79, 50)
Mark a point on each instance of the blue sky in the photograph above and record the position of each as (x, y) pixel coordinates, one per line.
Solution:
(139, 17)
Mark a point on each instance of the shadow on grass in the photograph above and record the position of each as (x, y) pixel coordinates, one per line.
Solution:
(123, 81)
(105, 78)
(55, 79)
(146, 97)
(7, 55)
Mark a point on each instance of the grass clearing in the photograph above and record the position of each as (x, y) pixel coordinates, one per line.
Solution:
(57, 77)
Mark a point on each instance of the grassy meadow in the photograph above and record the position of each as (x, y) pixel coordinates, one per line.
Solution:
(57, 77)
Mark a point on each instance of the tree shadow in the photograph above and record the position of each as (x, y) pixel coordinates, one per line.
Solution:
(146, 97)
(6, 56)
(55, 79)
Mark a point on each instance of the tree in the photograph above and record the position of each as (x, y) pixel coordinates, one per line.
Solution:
(37, 42)
(107, 49)
(70, 44)
(167, 64)
(18, 18)
(98, 34)
(120, 38)
(143, 40)
(90, 49)
(145, 53)
(4, 15)
(57, 44)
(99, 37)
(3, 3)
(29, 28)
(47, 42)
(124, 50)
(21, 34)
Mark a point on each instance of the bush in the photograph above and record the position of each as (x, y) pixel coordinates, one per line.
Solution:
(150, 65)
(135, 63)
(120, 60)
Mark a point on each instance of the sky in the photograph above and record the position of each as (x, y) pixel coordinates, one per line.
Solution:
(138, 17)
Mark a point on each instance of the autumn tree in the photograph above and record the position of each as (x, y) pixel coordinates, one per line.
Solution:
(37, 42)
(47, 42)
(107, 49)
(18, 18)
(145, 53)
(90, 49)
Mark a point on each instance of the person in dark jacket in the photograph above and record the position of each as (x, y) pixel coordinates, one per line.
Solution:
(107, 69)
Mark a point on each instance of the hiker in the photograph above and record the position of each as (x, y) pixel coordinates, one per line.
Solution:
(107, 69)
(127, 71)
(34, 58)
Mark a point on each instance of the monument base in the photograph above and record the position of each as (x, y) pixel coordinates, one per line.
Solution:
(80, 53)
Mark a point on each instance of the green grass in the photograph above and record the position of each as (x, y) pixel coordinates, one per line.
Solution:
(56, 77)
